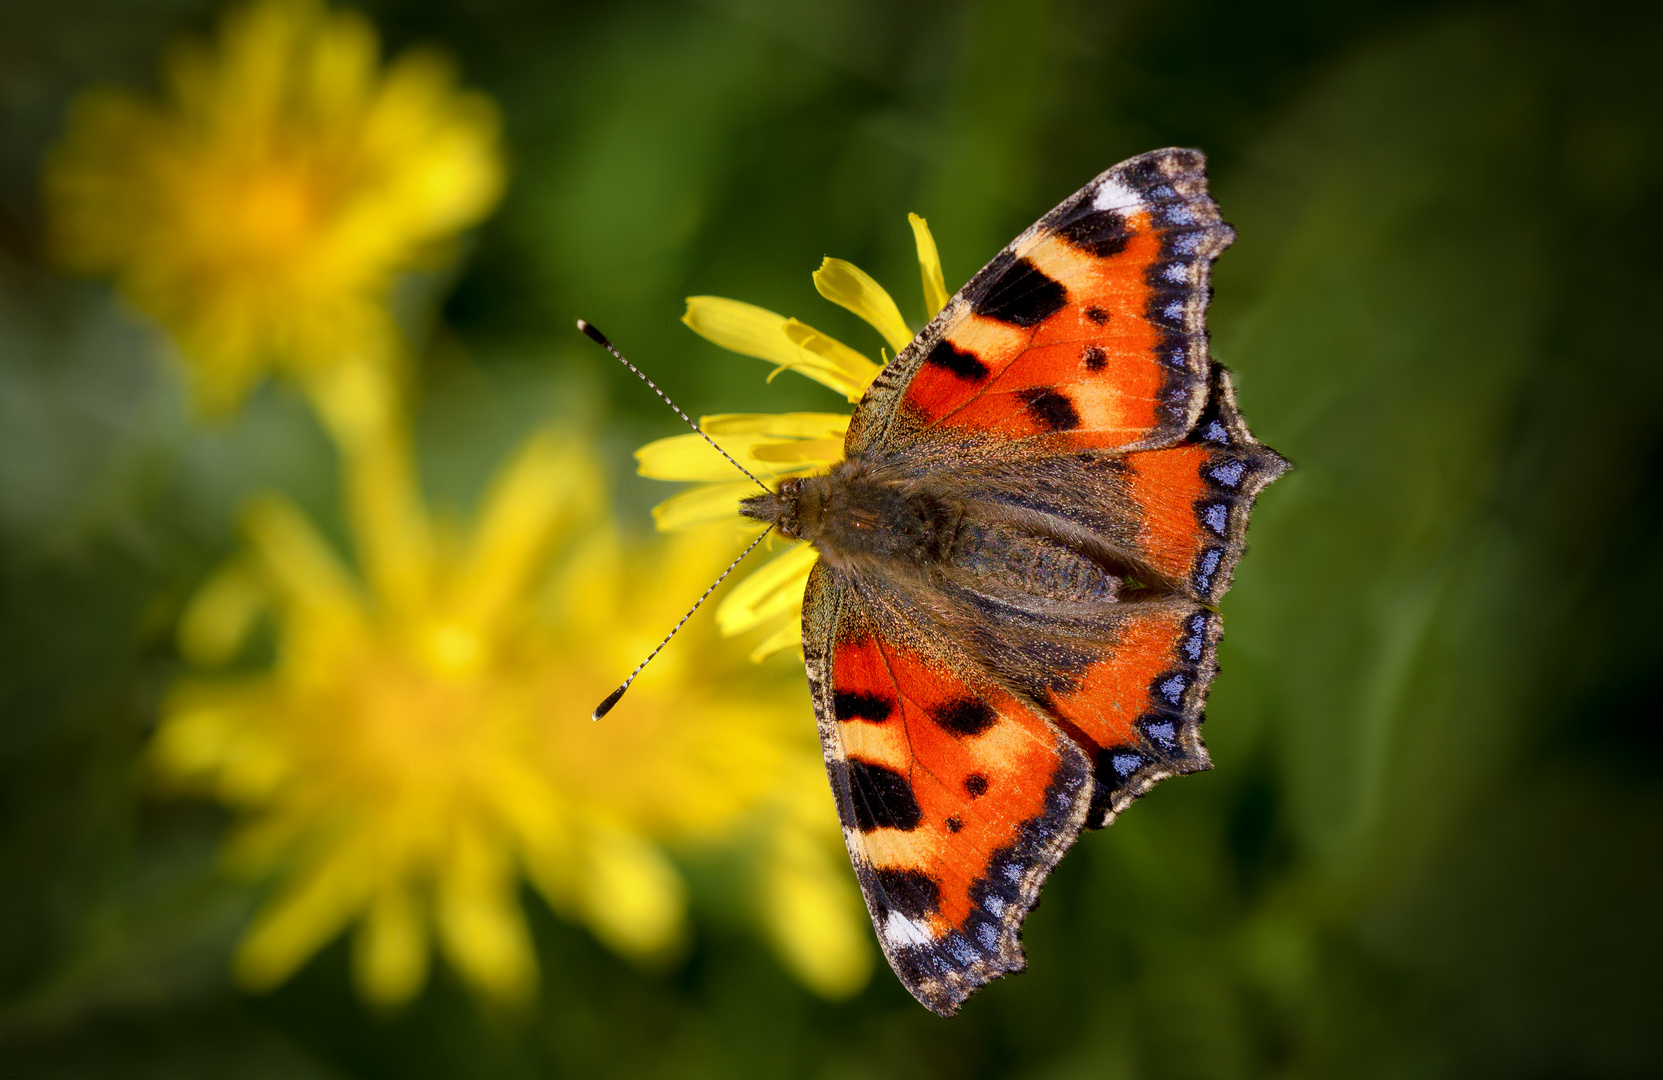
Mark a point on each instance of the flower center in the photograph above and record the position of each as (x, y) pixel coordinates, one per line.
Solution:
(268, 216)
(417, 721)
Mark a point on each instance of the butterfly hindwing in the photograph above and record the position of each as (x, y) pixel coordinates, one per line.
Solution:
(1174, 517)
(956, 796)
(1088, 331)
(1135, 706)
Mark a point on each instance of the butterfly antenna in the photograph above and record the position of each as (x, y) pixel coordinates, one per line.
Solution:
(600, 339)
(612, 699)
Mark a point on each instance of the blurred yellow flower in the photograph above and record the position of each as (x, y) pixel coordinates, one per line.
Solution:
(422, 739)
(261, 207)
(779, 445)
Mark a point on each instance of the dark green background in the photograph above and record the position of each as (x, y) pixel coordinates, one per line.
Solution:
(1433, 842)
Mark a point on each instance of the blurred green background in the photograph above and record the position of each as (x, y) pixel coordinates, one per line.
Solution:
(1433, 841)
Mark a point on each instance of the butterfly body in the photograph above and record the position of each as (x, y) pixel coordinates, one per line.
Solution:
(1011, 627)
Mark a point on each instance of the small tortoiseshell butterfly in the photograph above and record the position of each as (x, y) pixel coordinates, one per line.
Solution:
(1011, 627)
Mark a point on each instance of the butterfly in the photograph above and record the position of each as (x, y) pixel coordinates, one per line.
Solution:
(1011, 627)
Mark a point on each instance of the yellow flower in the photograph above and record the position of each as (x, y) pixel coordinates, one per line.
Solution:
(261, 207)
(422, 739)
(775, 446)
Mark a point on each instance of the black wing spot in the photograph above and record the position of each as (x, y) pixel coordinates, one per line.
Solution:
(964, 717)
(854, 705)
(963, 364)
(976, 785)
(954, 824)
(1022, 295)
(1094, 358)
(1097, 315)
(1101, 232)
(911, 892)
(883, 798)
(1053, 410)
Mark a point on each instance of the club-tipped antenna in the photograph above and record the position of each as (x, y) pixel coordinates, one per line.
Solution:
(600, 339)
(612, 699)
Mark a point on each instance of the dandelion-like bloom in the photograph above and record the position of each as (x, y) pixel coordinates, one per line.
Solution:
(776, 446)
(422, 739)
(263, 205)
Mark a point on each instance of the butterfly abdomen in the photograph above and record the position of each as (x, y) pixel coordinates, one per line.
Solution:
(999, 559)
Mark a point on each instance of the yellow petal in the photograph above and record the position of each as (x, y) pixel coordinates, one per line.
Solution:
(632, 898)
(479, 919)
(786, 637)
(801, 425)
(689, 457)
(819, 452)
(773, 590)
(217, 620)
(827, 360)
(753, 331)
(815, 918)
(929, 266)
(199, 732)
(701, 505)
(298, 563)
(389, 957)
(311, 910)
(741, 328)
(531, 503)
(847, 285)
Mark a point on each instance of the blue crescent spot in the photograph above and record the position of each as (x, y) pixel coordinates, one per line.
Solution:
(1229, 474)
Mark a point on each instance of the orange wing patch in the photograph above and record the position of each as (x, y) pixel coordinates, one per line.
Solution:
(956, 800)
(1089, 368)
(1089, 329)
(1192, 501)
(1137, 712)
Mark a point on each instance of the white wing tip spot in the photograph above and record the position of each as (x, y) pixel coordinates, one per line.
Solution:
(901, 930)
(1113, 195)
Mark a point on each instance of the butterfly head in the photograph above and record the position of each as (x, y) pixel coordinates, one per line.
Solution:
(782, 509)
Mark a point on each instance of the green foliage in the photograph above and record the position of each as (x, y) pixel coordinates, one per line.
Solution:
(1430, 844)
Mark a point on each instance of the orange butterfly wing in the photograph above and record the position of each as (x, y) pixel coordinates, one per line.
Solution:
(956, 796)
(1088, 330)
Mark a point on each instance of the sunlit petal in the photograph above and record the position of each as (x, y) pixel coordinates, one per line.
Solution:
(929, 266)
(847, 285)
(545, 490)
(753, 331)
(689, 457)
(770, 591)
(481, 927)
(632, 897)
(217, 621)
(788, 636)
(800, 425)
(304, 572)
(701, 505)
(816, 452)
(742, 328)
(308, 913)
(815, 915)
(829, 361)
(389, 957)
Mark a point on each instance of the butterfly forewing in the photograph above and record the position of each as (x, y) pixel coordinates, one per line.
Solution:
(1088, 329)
